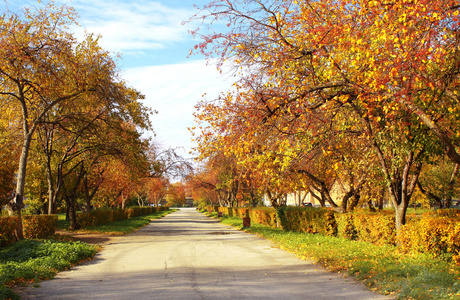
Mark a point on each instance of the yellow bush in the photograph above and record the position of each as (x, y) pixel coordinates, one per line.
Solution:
(264, 216)
(346, 227)
(310, 220)
(433, 234)
(376, 228)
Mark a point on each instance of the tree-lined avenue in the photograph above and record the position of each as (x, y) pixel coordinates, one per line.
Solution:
(189, 256)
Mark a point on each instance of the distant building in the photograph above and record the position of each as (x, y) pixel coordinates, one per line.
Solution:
(299, 197)
(189, 201)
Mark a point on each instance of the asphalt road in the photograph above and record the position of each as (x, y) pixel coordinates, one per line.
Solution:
(187, 255)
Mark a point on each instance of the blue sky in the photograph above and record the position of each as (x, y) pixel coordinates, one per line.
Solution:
(154, 46)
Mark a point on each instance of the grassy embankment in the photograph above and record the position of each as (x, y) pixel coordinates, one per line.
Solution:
(30, 261)
(380, 268)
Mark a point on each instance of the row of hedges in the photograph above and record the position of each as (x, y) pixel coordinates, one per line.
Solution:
(437, 232)
(34, 226)
(44, 226)
(240, 212)
(103, 216)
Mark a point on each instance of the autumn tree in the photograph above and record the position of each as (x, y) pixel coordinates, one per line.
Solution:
(439, 182)
(9, 152)
(156, 189)
(44, 69)
(304, 63)
(176, 194)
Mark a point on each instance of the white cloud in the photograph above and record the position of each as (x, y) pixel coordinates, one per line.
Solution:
(126, 26)
(174, 90)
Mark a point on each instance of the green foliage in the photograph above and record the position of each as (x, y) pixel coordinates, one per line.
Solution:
(6, 293)
(232, 221)
(32, 260)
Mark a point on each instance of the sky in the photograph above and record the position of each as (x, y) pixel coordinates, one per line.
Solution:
(154, 46)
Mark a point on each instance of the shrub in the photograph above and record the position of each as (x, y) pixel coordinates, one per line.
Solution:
(437, 235)
(264, 215)
(450, 213)
(375, 228)
(346, 227)
(104, 216)
(39, 226)
(240, 212)
(7, 228)
(309, 220)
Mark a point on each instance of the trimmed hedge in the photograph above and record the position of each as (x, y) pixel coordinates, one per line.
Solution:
(7, 228)
(104, 216)
(309, 220)
(437, 233)
(39, 226)
(375, 228)
(44, 226)
(265, 216)
(34, 226)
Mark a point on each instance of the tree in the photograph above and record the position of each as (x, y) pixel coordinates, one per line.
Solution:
(305, 63)
(176, 194)
(9, 153)
(439, 182)
(156, 189)
(43, 69)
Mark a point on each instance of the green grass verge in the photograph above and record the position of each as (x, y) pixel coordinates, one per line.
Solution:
(33, 260)
(380, 268)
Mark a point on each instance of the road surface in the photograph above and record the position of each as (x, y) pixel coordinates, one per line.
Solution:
(187, 255)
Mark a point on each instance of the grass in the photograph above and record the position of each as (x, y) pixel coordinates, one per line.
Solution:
(380, 268)
(30, 261)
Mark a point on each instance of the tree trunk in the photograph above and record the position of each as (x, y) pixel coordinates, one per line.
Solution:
(322, 187)
(346, 197)
(451, 185)
(355, 201)
(17, 204)
(320, 199)
(381, 198)
(370, 206)
(70, 201)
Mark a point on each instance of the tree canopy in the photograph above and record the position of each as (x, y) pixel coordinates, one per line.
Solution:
(350, 90)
